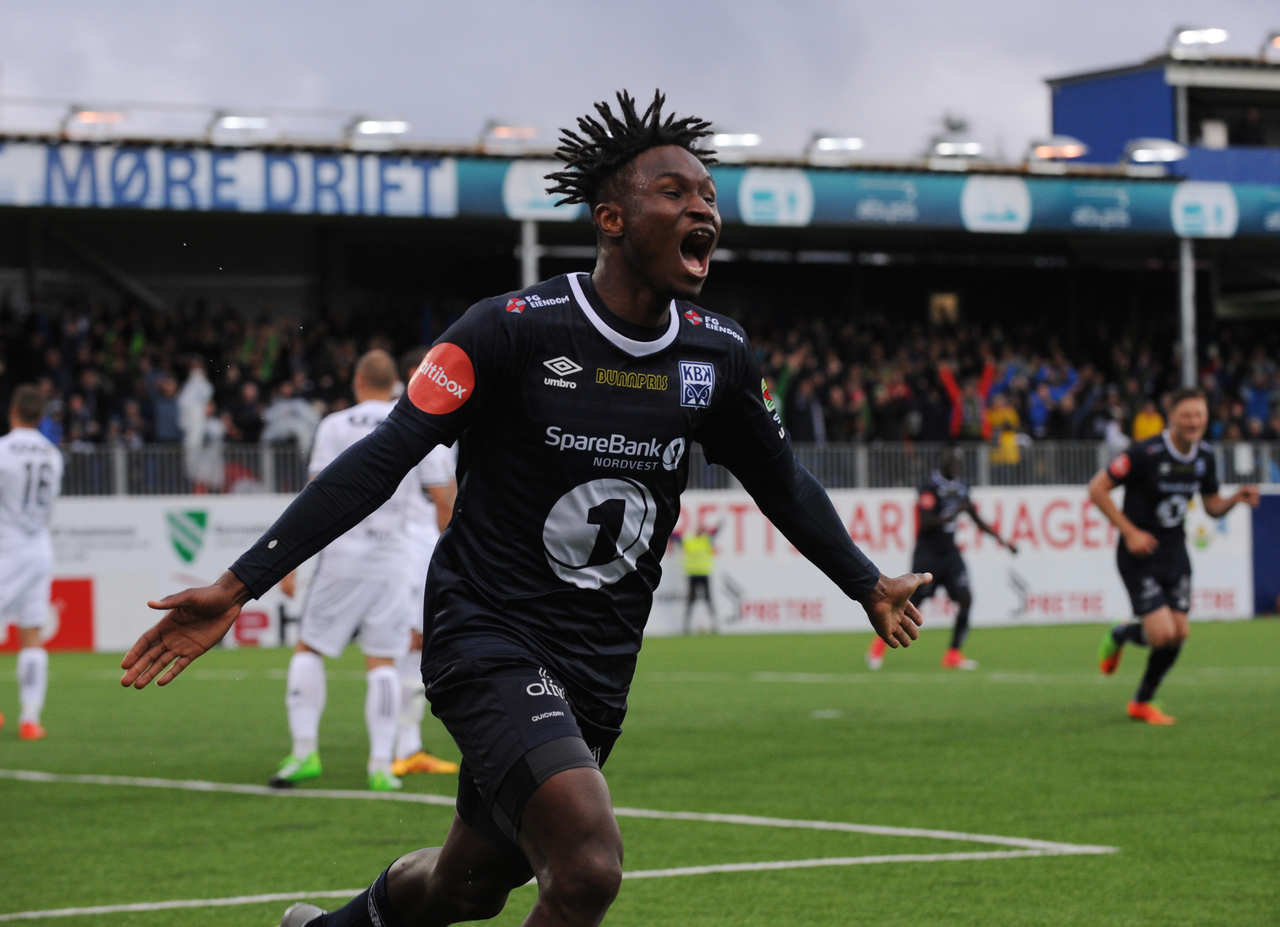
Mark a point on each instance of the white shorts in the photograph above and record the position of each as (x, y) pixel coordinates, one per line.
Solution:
(24, 590)
(376, 613)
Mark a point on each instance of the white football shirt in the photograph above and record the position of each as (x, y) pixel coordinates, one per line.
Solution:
(378, 547)
(436, 469)
(30, 481)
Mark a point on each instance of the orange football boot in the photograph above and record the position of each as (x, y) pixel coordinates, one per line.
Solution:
(875, 653)
(1150, 713)
(31, 730)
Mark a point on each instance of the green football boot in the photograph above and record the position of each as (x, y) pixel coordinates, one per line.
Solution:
(293, 770)
(384, 782)
(1109, 652)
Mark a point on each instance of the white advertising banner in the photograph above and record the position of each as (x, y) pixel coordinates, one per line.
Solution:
(113, 554)
(124, 551)
(1064, 571)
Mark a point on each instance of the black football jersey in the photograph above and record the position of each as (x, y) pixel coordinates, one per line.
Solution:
(1159, 483)
(574, 447)
(948, 498)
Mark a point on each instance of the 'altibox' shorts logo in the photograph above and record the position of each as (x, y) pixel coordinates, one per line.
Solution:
(625, 378)
(443, 381)
(697, 382)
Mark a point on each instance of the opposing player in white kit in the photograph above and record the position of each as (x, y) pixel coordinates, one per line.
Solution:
(30, 479)
(429, 513)
(359, 590)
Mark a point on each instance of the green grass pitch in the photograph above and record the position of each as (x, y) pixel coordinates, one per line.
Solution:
(1034, 744)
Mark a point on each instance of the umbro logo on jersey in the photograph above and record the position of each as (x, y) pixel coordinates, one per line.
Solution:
(697, 382)
(693, 317)
(515, 304)
(562, 367)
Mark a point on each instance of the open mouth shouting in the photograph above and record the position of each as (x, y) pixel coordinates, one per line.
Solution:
(696, 248)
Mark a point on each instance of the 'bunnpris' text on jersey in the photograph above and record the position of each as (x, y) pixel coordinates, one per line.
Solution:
(574, 432)
(1159, 483)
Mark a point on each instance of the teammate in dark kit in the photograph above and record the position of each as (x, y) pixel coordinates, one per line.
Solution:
(575, 402)
(944, 497)
(1160, 476)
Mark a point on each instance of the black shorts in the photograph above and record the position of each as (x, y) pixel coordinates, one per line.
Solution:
(517, 726)
(699, 588)
(1162, 579)
(946, 565)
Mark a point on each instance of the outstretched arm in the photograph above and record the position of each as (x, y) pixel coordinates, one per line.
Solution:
(1215, 506)
(792, 498)
(987, 529)
(358, 482)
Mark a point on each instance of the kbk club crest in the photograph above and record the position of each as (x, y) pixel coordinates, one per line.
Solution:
(697, 382)
(515, 304)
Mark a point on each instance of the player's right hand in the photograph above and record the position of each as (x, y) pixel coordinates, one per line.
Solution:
(891, 611)
(1141, 543)
(195, 620)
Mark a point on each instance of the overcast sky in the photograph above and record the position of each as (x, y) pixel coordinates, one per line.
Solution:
(884, 71)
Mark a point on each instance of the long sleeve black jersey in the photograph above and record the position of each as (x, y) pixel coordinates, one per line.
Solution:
(574, 431)
(1159, 483)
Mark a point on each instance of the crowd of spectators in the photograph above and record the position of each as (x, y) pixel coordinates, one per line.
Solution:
(202, 376)
(875, 379)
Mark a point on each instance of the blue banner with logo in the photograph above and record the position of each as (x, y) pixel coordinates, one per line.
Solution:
(420, 185)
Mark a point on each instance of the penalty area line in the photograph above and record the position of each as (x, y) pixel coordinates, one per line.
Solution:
(638, 874)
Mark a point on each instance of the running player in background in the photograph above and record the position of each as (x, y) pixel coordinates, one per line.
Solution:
(30, 480)
(1160, 476)
(575, 401)
(944, 497)
(358, 591)
(429, 512)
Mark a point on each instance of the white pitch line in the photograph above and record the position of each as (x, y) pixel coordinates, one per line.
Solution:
(638, 874)
(196, 785)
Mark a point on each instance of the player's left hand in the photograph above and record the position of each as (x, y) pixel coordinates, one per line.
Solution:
(195, 620)
(1248, 495)
(891, 611)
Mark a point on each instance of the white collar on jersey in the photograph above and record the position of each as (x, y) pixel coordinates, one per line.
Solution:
(942, 481)
(630, 345)
(1168, 442)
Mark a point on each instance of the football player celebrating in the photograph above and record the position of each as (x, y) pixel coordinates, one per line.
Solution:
(575, 402)
(944, 497)
(1159, 476)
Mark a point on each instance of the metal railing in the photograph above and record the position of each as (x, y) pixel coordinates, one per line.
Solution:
(163, 469)
(1042, 463)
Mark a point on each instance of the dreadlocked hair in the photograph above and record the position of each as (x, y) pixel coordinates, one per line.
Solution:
(612, 141)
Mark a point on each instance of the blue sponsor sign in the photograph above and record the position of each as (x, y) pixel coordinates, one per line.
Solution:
(418, 185)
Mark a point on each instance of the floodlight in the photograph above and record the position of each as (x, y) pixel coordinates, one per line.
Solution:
(1153, 151)
(512, 133)
(957, 149)
(1189, 42)
(92, 117)
(836, 143)
(380, 127)
(1271, 49)
(1058, 148)
(250, 123)
(735, 140)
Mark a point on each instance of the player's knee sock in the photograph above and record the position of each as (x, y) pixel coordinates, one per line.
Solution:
(413, 705)
(960, 630)
(305, 701)
(33, 681)
(381, 708)
(370, 908)
(1130, 633)
(1159, 662)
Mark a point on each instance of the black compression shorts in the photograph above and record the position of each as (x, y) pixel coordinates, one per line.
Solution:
(517, 726)
(943, 560)
(1164, 578)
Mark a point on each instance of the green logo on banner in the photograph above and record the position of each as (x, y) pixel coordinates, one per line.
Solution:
(186, 532)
